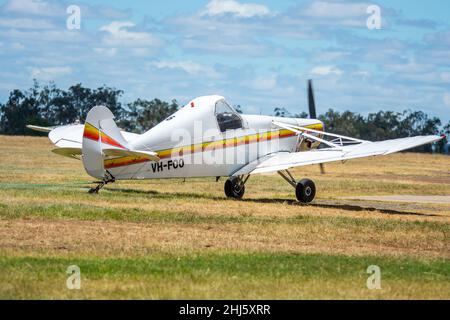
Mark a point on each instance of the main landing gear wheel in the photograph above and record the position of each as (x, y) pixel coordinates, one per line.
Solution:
(305, 191)
(234, 188)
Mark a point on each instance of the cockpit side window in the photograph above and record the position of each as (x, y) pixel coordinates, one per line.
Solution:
(227, 117)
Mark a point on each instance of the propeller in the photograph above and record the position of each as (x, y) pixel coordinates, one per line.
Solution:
(311, 101)
(312, 112)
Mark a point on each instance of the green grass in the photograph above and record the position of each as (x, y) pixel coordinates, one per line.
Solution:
(230, 275)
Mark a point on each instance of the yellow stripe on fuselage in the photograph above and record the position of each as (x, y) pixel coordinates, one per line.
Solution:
(208, 146)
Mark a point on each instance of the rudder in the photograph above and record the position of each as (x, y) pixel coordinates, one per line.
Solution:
(100, 131)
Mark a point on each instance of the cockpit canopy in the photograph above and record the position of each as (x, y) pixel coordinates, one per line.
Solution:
(210, 113)
(227, 117)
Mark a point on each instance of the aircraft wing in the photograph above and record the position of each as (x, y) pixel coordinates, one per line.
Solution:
(285, 160)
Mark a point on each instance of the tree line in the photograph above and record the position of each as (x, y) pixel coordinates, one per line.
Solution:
(49, 105)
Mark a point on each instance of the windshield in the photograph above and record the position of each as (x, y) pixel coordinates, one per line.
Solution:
(227, 117)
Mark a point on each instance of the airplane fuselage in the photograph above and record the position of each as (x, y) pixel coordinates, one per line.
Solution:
(194, 143)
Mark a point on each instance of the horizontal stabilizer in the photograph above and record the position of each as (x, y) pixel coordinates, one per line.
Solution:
(152, 156)
(68, 152)
(76, 153)
(40, 129)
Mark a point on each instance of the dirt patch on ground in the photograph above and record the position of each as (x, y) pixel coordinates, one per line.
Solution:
(444, 178)
(405, 198)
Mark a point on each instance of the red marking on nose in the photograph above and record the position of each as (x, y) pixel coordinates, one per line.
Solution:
(192, 105)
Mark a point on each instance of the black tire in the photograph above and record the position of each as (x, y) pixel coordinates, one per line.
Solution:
(234, 188)
(305, 191)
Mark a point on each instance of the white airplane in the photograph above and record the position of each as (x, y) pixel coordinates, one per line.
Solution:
(208, 138)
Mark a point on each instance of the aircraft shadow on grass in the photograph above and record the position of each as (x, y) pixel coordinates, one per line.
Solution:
(340, 206)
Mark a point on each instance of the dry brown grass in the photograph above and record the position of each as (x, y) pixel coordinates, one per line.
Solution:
(109, 238)
(28, 161)
(46, 212)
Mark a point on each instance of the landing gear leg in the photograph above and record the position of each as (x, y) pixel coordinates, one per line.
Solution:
(235, 187)
(109, 178)
(305, 189)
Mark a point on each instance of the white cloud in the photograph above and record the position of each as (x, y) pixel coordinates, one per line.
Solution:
(24, 23)
(447, 99)
(45, 37)
(120, 35)
(329, 55)
(412, 70)
(352, 14)
(104, 12)
(363, 74)
(326, 70)
(109, 52)
(333, 10)
(223, 45)
(34, 7)
(264, 83)
(49, 73)
(57, 9)
(445, 77)
(189, 67)
(438, 38)
(241, 10)
(142, 52)
(17, 46)
(409, 66)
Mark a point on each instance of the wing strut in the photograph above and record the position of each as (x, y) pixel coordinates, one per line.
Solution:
(336, 144)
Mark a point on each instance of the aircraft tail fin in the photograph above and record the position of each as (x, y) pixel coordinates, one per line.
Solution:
(103, 142)
(100, 132)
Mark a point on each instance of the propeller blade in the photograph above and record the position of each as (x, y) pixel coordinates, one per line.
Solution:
(312, 112)
(311, 101)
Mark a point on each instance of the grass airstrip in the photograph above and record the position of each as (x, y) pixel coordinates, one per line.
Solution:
(169, 239)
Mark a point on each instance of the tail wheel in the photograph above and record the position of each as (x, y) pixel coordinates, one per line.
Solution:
(305, 191)
(234, 188)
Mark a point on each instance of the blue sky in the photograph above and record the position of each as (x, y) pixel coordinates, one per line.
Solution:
(258, 54)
